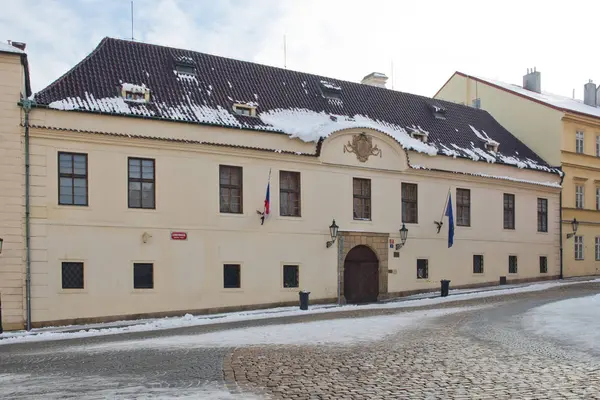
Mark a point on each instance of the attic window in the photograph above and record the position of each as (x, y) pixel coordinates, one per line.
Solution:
(492, 146)
(135, 93)
(418, 133)
(438, 112)
(331, 90)
(247, 110)
(185, 65)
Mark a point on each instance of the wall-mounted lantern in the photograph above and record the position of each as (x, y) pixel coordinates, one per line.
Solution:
(403, 236)
(1, 241)
(574, 225)
(333, 231)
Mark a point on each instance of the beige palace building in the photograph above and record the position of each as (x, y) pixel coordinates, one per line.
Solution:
(147, 187)
(565, 132)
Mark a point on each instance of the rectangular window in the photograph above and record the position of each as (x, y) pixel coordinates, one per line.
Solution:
(578, 247)
(598, 198)
(230, 188)
(597, 248)
(141, 183)
(542, 215)
(422, 268)
(232, 276)
(478, 264)
(597, 146)
(143, 275)
(579, 196)
(72, 275)
(362, 198)
(512, 264)
(72, 179)
(543, 264)
(579, 142)
(410, 212)
(291, 278)
(463, 207)
(289, 193)
(509, 211)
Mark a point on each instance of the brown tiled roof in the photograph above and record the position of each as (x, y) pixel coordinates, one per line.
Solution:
(94, 85)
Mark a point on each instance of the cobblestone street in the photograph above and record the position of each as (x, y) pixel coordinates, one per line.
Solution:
(483, 354)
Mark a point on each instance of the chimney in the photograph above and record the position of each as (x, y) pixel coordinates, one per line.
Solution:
(375, 79)
(532, 81)
(18, 45)
(589, 94)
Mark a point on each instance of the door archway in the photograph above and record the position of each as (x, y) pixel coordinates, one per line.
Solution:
(361, 275)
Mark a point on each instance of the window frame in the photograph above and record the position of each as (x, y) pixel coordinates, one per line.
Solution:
(597, 248)
(542, 215)
(597, 198)
(579, 196)
(62, 270)
(423, 267)
(231, 186)
(141, 180)
(289, 193)
(481, 266)
(578, 246)
(597, 145)
(511, 197)
(407, 202)
(364, 199)
(513, 266)
(239, 275)
(579, 140)
(544, 264)
(461, 207)
(283, 270)
(140, 264)
(74, 176)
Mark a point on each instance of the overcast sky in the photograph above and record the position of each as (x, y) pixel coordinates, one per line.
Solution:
(426, 40)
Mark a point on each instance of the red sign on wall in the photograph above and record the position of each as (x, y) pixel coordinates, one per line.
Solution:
(178, 235)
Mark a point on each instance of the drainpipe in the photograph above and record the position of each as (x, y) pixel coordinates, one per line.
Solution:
(560, 276)
(26, 104)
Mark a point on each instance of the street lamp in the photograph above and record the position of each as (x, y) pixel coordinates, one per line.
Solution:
(403, 236)
(333, 231)
(574, 225)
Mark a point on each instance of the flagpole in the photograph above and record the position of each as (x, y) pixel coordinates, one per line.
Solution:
(445, 204)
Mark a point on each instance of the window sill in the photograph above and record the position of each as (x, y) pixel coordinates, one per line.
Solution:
(144, 291)
(72, 291)
(81, 206)
(233, 215)
(290, 218)
(141, 210)
(290, 290)
(232, 290)
(362, 221)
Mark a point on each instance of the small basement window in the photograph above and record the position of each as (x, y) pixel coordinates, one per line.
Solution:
(247, 110)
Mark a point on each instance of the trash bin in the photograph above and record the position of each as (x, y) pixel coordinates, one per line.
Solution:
(503, 280)
(445, 287)
(304, 299)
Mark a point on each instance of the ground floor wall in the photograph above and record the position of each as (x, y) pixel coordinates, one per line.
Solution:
(587, 261)
(188, 275)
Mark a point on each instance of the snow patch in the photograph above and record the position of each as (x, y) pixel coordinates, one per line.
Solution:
(132, 87)
(330, 85)
(310, 126)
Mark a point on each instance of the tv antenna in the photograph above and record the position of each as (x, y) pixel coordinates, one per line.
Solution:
(132, 20)
(284, 52)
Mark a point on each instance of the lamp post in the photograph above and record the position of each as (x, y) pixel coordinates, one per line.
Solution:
(333, 231)
(574, 225)
(403, 236)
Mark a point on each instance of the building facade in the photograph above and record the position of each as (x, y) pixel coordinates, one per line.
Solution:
(563, 131)
(152, 171)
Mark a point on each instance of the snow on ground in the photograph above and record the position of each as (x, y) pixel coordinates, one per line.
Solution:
(576, 321)
(50, 387)
(343, 331)
(120, 327)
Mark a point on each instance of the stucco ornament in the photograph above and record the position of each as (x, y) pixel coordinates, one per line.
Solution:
(362, 146)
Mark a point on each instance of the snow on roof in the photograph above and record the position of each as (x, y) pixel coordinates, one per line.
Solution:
(132, 87)
(555, 100)
(7, 48)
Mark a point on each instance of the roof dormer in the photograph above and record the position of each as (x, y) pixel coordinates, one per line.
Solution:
(416, 132)
(438, 111)
(330, 90)
(185, 65)
(245, 109)
(135, 93)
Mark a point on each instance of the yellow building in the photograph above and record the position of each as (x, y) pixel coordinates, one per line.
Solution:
(148, 165)
(563, 131)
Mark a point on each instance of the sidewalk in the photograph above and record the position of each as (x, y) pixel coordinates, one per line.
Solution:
(188, 320)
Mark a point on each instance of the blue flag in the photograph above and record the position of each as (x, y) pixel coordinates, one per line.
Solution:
(450, 221)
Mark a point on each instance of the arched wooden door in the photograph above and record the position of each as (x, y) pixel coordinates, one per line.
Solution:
(361, 275)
